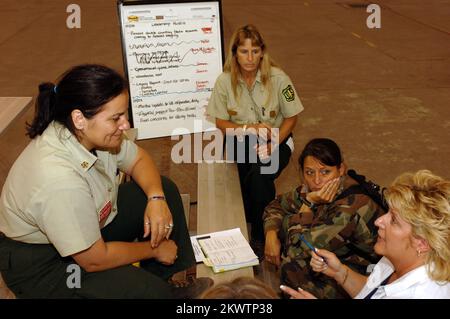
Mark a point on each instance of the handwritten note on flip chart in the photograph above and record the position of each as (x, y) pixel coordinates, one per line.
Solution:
(173, 55)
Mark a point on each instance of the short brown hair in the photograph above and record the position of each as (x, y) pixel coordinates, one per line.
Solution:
(240, 288)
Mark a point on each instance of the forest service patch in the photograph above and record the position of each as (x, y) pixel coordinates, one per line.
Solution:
(288, 93)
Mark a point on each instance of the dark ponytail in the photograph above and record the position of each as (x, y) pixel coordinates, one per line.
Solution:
(85, 87)
(44, 110)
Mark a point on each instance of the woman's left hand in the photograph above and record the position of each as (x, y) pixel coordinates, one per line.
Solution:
(157, 221)
(300, 294)
(265, 150)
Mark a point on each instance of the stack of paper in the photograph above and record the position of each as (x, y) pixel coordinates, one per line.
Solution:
(226, 250)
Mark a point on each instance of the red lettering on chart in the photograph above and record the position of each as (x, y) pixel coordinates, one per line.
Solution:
(207, 30)
(201, 84)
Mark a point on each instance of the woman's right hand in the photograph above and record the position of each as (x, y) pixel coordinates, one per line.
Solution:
(272, 248)
(326, 194)
(262, 130)
(166, 252)
(326, 262)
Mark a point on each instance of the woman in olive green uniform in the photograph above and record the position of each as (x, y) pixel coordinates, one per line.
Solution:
(68, 230)
(255, 104)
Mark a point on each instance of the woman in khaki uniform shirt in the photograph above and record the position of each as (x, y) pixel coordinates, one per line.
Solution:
(255, 104)
(68, 230)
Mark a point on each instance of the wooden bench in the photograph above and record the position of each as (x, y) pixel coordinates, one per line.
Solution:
(10, 108)
(220, 207)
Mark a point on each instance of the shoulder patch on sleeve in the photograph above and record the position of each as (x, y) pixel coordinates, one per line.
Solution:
(288, 93)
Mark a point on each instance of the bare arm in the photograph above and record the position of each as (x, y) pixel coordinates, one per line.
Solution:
(350, 280)
(286, 127)
(238, 129)
(145, 173)
(157, 214)
(224, 124)
(101, 256)
(354, 282)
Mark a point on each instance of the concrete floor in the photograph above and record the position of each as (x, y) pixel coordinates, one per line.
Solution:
(382, 94)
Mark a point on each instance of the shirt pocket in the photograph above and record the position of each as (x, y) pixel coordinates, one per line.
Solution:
(236, 114)
(271, 110)
(103, 203)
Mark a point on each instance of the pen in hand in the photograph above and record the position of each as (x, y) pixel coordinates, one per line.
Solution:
(314, 249)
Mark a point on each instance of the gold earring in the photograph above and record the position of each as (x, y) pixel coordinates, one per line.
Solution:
(419, 253)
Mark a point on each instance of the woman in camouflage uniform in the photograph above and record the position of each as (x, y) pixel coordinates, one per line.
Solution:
(325, 213)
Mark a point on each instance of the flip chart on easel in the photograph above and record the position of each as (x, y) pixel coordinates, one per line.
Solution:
(173, 55)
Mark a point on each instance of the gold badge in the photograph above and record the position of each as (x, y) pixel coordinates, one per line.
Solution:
(273, 114)
(288, 93)
(85, 164)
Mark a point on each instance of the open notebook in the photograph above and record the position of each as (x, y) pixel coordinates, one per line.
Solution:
(224, 250)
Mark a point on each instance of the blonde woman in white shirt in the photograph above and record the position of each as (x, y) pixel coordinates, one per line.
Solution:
(413, 237)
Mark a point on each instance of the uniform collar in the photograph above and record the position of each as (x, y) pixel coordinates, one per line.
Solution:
(80, 155)
(257, 78)
(414, 277)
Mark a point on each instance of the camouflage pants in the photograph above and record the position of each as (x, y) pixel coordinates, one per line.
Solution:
(297, 273)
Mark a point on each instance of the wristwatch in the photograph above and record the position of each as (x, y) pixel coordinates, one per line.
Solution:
(312, 206)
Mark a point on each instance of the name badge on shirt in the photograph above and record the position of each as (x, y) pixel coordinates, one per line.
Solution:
(105, 211)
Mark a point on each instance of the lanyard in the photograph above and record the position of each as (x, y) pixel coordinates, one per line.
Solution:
(369, 296)
(255, 105)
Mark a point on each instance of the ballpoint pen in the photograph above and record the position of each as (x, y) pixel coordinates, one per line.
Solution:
(314, 249)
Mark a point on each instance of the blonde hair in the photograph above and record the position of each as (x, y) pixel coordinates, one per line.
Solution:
(240, 288)
(422, 199)
(231, 64)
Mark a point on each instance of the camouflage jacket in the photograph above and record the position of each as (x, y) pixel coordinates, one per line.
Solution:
(344, 226)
